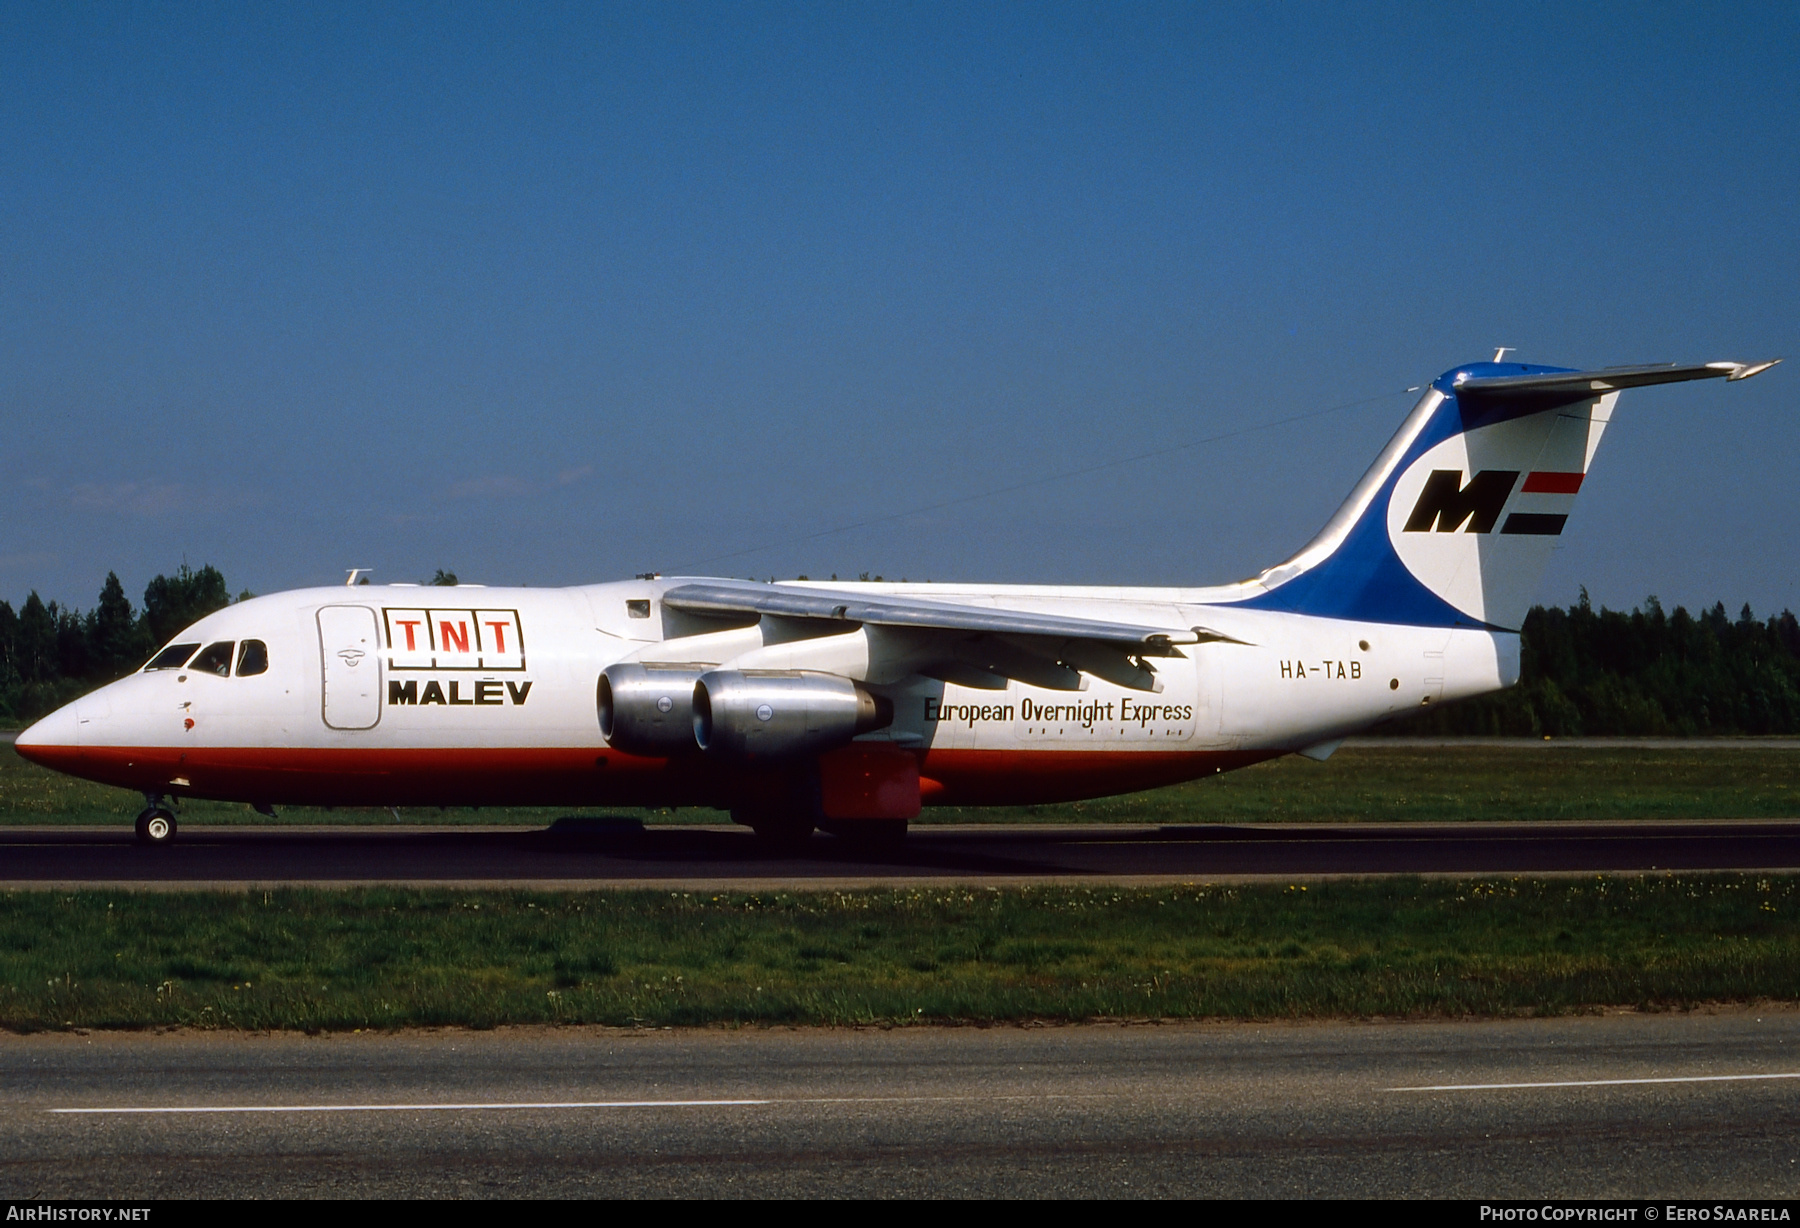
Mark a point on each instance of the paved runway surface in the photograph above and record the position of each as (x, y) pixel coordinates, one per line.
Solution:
(702, 856)
(1627, 1106)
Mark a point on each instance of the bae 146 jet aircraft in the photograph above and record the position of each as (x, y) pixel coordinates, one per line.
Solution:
(849, 706)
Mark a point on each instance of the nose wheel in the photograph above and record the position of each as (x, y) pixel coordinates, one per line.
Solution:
(156, 826)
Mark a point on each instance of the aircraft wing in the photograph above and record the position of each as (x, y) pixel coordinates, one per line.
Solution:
(748, 597)
(1607, 379)
(976, 646)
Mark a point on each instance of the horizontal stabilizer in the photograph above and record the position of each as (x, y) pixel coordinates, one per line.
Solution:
(1607, 379)
(733, 597)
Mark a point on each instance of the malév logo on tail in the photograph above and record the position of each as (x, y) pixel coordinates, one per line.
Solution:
(1446, 505)
(1475, 516)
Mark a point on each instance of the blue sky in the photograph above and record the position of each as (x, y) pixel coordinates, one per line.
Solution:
(564, 294)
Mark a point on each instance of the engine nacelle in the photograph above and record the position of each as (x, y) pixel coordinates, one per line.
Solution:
(780, 714)
(648, 708)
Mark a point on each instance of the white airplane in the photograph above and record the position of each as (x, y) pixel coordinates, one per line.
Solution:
(849, 706)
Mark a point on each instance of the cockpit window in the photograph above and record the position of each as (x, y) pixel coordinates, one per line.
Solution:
(253, 658)
(215, 660)
(173, 657)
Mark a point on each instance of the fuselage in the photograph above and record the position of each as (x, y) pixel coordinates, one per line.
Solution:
(471, 696)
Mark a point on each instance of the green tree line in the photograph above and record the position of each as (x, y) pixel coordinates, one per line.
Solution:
(50, 654)
(1582, 670)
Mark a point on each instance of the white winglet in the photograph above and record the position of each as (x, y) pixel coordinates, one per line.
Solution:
(1743, 371)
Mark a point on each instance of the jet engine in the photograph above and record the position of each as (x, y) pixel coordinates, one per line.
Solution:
(776, 714)
(648, 709)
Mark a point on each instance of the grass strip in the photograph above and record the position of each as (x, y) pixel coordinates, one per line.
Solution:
(1382, 784)
(387, 958)
(1359, 784)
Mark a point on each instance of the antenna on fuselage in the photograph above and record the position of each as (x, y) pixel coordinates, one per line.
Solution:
(356, 576)
(1503, 351)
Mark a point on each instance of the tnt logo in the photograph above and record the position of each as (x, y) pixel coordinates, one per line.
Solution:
(454, 639)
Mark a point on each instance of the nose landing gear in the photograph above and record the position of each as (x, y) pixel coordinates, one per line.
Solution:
(156, 825)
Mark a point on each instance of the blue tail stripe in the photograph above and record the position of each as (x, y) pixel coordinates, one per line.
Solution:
(1363, 579)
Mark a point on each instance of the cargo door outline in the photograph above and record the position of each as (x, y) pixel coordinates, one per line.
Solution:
(350, 667)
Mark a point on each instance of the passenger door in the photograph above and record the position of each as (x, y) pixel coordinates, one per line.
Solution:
(350, 648)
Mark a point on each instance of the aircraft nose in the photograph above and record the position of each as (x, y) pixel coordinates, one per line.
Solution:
(52, 740)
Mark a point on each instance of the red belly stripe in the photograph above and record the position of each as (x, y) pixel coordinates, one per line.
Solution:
(575, 776)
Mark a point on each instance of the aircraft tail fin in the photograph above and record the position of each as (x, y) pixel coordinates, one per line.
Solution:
(1454, 523)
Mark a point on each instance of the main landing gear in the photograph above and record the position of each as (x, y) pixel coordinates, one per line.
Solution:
(777, 830)
(784, 831)
(869, 835)
(156, 825)
(785, 811)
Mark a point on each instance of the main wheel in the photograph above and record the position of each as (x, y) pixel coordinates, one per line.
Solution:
(155, 826)
(869, 835)
(781, 832)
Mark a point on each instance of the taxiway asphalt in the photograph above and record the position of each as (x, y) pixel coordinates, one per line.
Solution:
(720, 857)
(1625, 1106)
